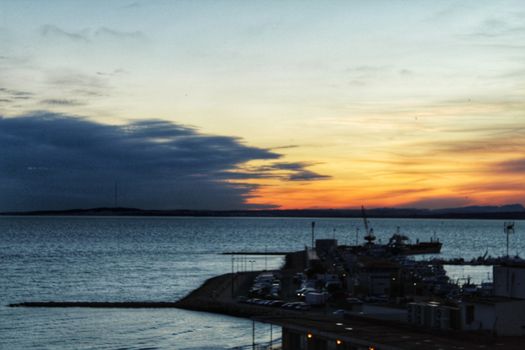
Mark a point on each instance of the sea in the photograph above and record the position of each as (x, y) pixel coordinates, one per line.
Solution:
(163, 259)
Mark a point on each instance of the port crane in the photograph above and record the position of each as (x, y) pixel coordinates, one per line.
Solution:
(508, 228)
(369, 237)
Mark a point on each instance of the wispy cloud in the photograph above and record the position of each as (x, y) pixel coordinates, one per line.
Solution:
(62, 102)
(298, 171)
(285, 147)
(112, 73)
(14, 95)
(52, 31)
(88, 35)
(307, 175)
(288, 171)
(513, 166)
(79, 83)
(132, 5)
(499, 27)
(117, 34)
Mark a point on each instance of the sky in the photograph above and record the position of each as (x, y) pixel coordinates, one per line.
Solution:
(261, 104)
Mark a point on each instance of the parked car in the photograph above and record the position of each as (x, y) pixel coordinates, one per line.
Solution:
(277, 303)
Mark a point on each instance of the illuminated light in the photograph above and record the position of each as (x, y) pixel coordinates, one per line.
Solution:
(339, 342)
(338, 324)
(309, 335)
(371, 348)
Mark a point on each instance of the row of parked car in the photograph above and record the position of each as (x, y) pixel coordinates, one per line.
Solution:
(267, 284)
(296, 305)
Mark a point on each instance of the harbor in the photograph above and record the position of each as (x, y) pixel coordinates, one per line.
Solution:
(317, 326)
(368, 296)
(350, 297)
(375, 296)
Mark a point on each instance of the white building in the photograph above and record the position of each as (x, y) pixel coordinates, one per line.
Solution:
(499, 315)
(509, 281)
(504, 312)
(434, 315)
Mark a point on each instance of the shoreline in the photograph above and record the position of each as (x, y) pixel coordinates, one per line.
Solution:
(218, 295)
(505, 212)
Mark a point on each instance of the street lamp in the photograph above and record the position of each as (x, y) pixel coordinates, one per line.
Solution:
(233, 275)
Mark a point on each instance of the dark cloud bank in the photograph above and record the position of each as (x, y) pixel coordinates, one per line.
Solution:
(52, 161)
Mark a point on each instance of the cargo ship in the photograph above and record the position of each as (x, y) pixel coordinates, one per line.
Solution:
(398, 244)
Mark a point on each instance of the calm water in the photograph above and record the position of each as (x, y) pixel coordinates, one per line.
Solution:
(162, 259)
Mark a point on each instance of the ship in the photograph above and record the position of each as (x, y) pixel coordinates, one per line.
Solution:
(398, 244)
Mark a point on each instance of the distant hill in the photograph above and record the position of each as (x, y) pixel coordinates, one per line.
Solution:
(511, 211)
(509, 208)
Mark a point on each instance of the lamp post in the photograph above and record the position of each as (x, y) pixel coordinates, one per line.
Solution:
(508, 228)
(265, 257)
(271, 336)
(233, 276)
(313, 234)
(253, 334)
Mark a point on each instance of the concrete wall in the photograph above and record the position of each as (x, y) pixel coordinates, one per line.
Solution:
(510, 318)
(502, 318)
(509, 281)
(482, 317)
(432, 315)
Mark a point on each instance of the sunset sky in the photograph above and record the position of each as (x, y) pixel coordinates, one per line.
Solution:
(261, 104)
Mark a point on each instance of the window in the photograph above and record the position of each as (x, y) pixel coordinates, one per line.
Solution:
(469, 314)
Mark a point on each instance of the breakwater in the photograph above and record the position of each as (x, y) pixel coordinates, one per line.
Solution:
(216, 295)
(98, 304)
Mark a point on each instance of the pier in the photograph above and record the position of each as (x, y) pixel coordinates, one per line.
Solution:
(255, 253)
(479, 261)
(99, 304)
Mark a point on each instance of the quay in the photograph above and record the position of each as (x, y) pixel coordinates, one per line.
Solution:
(319, 329)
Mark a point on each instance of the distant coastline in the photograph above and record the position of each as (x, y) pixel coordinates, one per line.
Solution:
(508, 212)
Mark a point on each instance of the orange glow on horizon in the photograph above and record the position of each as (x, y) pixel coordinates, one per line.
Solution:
(454, 172)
